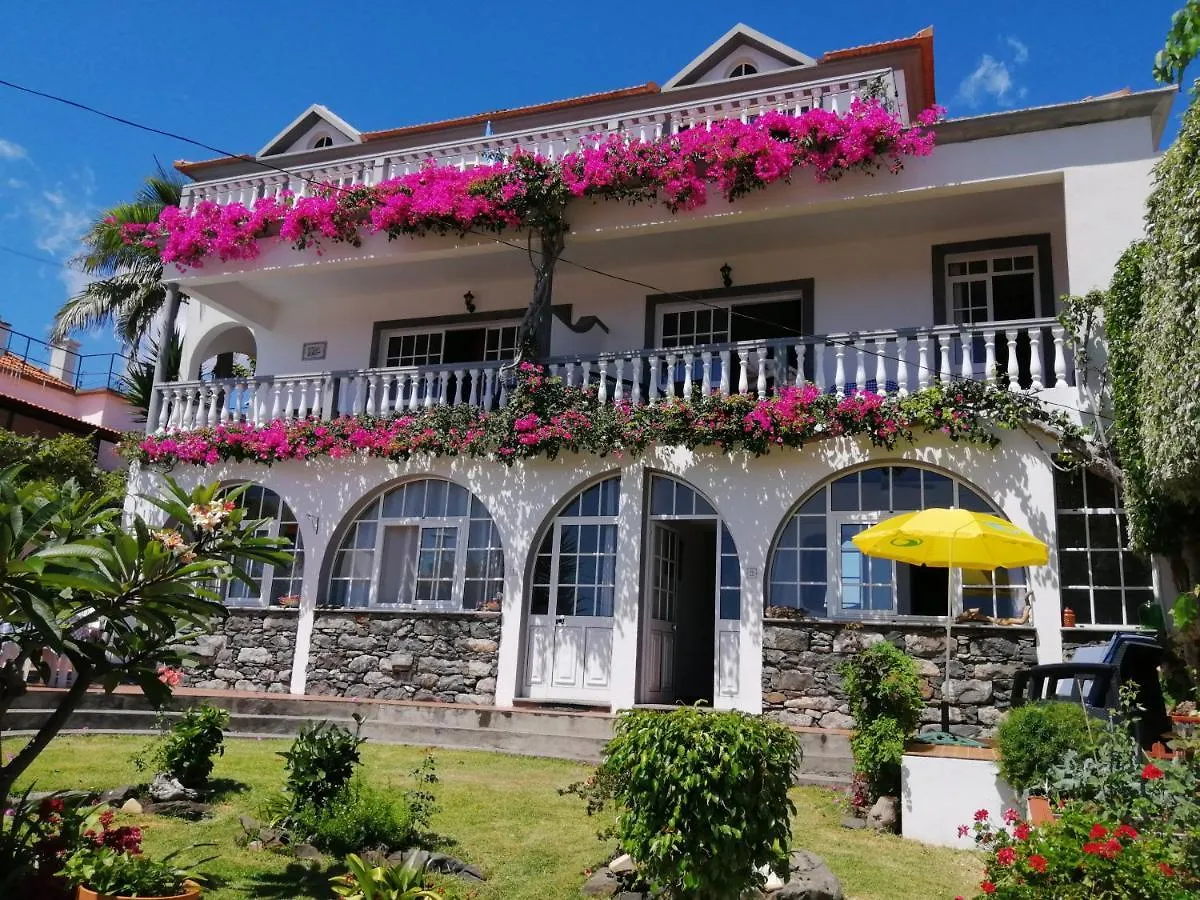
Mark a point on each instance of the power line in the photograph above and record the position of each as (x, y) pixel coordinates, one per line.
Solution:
(33, 257)
(731, 310)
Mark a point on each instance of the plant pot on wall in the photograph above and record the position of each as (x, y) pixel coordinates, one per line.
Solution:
(1040, 811)
(191, 892)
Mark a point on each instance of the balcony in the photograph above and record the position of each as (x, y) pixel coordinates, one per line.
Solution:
(552, 141)
(1021, 355)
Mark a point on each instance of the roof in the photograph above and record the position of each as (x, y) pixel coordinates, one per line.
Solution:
(739, 35)
(54, 417)
(315, 113)
(11, 364)
(922, 42)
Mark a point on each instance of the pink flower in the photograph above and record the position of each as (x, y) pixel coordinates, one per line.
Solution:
(168, 676)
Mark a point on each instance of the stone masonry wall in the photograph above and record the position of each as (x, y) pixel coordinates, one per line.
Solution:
(451, 657)
(801, 685)
(252, 652)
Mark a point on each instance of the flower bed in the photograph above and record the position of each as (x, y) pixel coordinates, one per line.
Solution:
(525, 190)
(544, 417)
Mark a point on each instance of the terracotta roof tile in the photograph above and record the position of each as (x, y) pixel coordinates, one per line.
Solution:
(11, 364)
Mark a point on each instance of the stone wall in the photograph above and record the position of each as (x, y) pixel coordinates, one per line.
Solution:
(252, 652)
(450, 657)
(801, 685)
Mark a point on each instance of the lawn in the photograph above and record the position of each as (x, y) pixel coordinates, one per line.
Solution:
(500, 812)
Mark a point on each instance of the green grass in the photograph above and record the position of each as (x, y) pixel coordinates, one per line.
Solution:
(500, 812)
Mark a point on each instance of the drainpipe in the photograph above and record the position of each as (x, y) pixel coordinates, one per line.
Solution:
(160, 364)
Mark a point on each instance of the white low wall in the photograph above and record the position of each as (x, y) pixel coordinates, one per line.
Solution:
(940, 793)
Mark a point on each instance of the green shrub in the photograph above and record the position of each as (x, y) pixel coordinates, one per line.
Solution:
(321, 762)
(1034, 738)
(700, 798)
(58, 459)
(884, 691)
(187, 751)
(361, 818)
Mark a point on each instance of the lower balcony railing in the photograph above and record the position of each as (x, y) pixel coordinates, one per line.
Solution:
(1024, 355)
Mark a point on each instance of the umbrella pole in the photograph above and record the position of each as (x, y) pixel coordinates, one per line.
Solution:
(949, 626)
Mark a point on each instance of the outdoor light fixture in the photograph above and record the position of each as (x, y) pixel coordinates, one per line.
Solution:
(727, 275)
(469, 301)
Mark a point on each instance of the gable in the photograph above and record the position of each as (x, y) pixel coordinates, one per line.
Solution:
(313, 129)
(743, 49)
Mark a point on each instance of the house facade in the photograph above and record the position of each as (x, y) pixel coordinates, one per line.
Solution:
(676, 573)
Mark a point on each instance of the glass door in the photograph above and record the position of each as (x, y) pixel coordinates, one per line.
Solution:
(866, 586)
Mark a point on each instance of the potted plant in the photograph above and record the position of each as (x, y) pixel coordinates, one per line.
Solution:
(1031, 741)
(289, 601)
(105, 873)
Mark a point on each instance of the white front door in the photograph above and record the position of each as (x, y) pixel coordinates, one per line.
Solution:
(568, 646)
(661, 614)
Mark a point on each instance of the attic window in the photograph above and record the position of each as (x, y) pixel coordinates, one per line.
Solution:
(743, 69)
(322, 142)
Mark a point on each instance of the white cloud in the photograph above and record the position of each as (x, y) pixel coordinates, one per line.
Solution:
(1020, 50)
(60, 217)
(15, 184)
(991, 78)
(11, 150)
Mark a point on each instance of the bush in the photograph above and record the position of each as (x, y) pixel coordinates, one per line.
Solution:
(321, 762)
(57, 460)
(1033, 739)
(884, 690)
(700, 798)
(188, 749)
(363, 818)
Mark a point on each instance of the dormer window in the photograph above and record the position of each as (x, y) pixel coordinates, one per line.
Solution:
(322, 142)
(743, 69)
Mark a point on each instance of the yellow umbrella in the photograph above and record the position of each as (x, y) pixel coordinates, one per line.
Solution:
(952, 539)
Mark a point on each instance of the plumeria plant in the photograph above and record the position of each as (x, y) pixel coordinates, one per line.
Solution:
(545, 417)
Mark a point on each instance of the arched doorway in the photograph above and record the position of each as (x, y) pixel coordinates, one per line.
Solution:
(691, 599)
(569, 623)
(227, 351)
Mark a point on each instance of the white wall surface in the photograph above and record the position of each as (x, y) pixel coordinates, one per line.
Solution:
(939, 794)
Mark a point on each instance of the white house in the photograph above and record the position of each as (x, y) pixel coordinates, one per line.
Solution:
(647, 578)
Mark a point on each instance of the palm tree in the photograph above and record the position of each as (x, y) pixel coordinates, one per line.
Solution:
(137, 384)
(129, 290)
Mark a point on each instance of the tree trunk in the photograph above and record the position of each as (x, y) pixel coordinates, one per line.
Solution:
(551, 238)
(52, 726)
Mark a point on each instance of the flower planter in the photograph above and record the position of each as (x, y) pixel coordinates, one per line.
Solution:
(1040, 811)
(191, 892)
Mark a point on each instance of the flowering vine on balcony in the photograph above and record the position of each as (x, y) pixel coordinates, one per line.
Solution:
(544, 418)
(524, 190)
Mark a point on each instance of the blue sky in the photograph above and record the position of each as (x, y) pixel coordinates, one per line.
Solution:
(232, 74)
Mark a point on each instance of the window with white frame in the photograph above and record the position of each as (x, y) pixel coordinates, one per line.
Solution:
(271, 585)
(993, 286)
(427, 544)
(728, 319)
(1103, 581)
(574, 572)
(322, 141)
(449, 345)
(743, 69)
(815, 566)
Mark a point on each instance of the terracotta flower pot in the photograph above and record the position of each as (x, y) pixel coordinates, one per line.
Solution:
(191, 892)
(1040, 811)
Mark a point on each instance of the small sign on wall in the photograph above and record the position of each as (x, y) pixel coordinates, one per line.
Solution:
(313, 350)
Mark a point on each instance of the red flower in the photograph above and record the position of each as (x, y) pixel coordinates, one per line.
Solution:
(1166, 870)
(987, 887)
(1037, 862)
(1091, 848)
(1098, 831)
(1022, 832)
(1126, 831)
(981, 815)
(1152, 772)
(1111, 848)
(1011, 816)
(1006, 856)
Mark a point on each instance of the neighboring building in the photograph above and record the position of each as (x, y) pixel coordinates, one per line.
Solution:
(48, 389)
(626, 581)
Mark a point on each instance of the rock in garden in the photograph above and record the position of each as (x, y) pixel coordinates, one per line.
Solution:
(179, 809)
(131, 807)
(854, 823)
(374, 857)
(448, 865)
(603, 883)
(118, 795)
(622, 865)
(309, 852)
(416, 858)
(254, 846)
(809, 879)
(249, 824)
(885, 815)
(164, 788)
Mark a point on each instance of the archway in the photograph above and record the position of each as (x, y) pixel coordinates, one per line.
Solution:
(227, 351)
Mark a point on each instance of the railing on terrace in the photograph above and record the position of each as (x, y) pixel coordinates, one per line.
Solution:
(83, 371)
(553, 142)
(1020, 355)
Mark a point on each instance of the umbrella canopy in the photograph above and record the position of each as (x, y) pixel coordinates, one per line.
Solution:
(952, 538)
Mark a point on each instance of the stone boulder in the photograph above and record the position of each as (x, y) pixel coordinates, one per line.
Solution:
(602, 883)
(164, 788)
(885, 815)
(809, 879)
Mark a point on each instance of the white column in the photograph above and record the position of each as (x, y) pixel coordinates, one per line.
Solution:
(626, 606)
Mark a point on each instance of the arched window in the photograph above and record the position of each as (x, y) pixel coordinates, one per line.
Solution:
(273, 585)
(576, 564)
(815, 566)
(743, 69)
(322, 142)
(427, 544)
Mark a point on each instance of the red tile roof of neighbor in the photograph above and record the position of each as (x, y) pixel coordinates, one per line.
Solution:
(922, 41)
(63, 420)
(11, 364)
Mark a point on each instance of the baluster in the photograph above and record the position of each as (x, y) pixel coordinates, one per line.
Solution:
(944, 370)
(880, 348)
(743, 372)
(373, 394)
(923, 372)
(570, 378)
(165, 410)
(1014, 372)
(967, 369)
(819, 366)
(989, 357)
(902, 365)
(687, 376)
(619, 384)
(302, 399)
(670, 379)
(554, 370)
(602, 374)
(800, 351)
(228, 401)
(839, 367)
(214, 405)
(585, 374)
(443, 387)
(257, 403)
(1035, 358)
(429, 389)
(186, 417)
(289, 402)
(653, 382)
(724, 380)
(414, 391)
(1060, 359)
(326, 391)
(357, 395)
(461, 382)
(706, 373)
(761, 384)
(176, 410)
(860, 367)
(503, 391)
(475, 378)
(635, 375)
(243, 405)
(275, 400)
(489, 379)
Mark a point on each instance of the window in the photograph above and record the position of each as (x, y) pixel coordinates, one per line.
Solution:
(270, 583)
(427, 544)
(322, 142)
(1102, 580)
(576, 564)
(720, 321)
(447, 346)
(815, 566)
(992, 286)
(743, 69)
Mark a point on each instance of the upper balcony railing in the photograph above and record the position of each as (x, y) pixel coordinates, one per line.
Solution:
(1017, 355)
(553, 141)
(40, 361)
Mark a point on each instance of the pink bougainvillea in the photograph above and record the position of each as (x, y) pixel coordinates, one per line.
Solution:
(730, 156)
